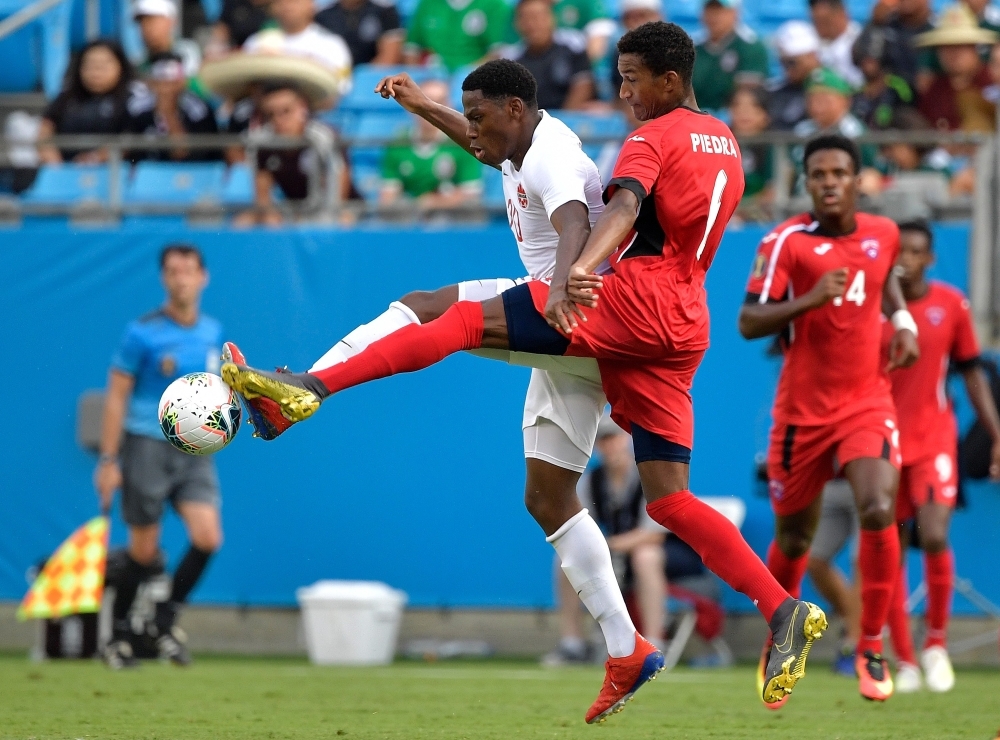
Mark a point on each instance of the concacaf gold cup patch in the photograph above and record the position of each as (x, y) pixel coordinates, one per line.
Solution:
(759, 265)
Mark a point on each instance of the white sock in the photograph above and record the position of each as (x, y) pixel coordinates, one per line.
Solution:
(393, 319)
(586, 561)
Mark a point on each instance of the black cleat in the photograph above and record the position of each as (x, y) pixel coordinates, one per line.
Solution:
(172, 647)
(118, 655)
(795, 627)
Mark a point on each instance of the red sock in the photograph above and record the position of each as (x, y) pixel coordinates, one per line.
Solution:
(939, 572)
(721, 547)
(411, 348)
(878, 563)
(899, 621)
(787, 571)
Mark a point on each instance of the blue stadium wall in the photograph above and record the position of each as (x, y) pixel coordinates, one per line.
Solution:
(415, 480)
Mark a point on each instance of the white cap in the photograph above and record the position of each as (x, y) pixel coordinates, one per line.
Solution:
(626, 5)
(154, 7)
(795, 38)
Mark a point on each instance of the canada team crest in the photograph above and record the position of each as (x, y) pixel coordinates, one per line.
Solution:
(870, 247)
(522, 197)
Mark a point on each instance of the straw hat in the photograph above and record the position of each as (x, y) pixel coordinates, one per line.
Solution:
(957, 26)
(232, 76)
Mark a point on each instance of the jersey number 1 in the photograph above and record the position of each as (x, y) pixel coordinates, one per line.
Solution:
(856, 293)
(713, 212)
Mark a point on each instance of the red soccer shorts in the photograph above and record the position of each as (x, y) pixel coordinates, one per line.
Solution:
(933, 480)
(802, 459)
(645, 380)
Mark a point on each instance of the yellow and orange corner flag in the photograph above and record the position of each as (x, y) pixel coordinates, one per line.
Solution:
(72, 581)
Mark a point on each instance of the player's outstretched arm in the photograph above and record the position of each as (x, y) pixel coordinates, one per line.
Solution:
(903, 349)
(610, 230)
(978, 388)
(764, 319)
(408, 94)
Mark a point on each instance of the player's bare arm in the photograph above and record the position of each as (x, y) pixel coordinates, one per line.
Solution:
(408, 94)
(572, 222)
(978, 388)
(764, 319)
(108, 475)
(903, 350)
(610, 230)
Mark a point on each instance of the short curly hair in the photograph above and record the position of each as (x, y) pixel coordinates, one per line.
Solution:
(833, 141)
(501, 79)
(663, 47)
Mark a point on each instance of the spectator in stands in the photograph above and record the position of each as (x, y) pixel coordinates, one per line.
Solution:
(955, 99)
(590, 17)
(748, 117)
(239, 20)
(837, 34)
(298, 35)
(986, 12)
(179, 111)
(100, 96)
(157, 20)
(557, 59)
(613, 495)
(371, 29)
(903, 20)
(882, 93)
(633, 14)
(730, 56)
(798, 51)
(900, 157)
(296, 172)
(430, 167)
(456, 33)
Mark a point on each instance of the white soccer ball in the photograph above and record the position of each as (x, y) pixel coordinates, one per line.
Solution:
(199, 414)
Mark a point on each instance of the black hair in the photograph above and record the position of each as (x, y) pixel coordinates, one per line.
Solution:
(663, 47)
(833, 141)
(73, 84)
(756, 92)
(831, 3)
(920, 226)
(872, 43)
(501, 79)
(185, 250)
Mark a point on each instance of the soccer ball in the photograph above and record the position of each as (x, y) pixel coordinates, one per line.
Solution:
(199, 414)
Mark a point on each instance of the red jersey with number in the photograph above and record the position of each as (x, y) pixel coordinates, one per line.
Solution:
(687, 173)
(945, 334)
(833, 364)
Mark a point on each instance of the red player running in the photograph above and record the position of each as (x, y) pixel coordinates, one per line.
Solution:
(822, 279)
(928, 437)
(676, 184)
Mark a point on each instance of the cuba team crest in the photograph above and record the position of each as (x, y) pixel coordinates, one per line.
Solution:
(870, 247)
(935, 314)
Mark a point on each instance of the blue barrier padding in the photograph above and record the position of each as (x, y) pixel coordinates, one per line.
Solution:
(415, 480)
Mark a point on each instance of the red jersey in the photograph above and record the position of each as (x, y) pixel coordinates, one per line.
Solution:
(945, 334)
(686, 170)
(833, 366)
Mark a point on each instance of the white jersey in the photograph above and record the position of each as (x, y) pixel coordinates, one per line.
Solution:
(555, 171)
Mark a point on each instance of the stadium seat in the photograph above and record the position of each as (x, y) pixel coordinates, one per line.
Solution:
(366, 170)
(238, 187)
(109, 18)
(778, 11)
(493, 187)
(378, 126)
(213, 9)
(173, 183)
(590, 126)
(684, 12)
(37, 54)
(69, 184)
(362, 96)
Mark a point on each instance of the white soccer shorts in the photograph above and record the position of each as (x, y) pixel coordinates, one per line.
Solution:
(565, 400)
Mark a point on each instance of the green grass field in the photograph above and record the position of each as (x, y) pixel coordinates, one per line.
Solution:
(262, 698)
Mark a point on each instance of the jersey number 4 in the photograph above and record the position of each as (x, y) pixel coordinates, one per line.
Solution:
(856, 293)
(515, 220)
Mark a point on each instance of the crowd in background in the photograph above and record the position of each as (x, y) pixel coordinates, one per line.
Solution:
(899, 69)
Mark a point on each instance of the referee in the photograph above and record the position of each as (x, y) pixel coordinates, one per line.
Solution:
(158, 348)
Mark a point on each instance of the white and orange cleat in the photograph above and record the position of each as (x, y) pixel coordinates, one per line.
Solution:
(623, 677)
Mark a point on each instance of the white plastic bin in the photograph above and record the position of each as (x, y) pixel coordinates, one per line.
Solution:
(351, 622)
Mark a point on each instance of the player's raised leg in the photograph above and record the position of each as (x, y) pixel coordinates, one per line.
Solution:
(874, 481)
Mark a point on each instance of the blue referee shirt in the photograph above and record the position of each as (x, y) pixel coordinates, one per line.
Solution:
(156, 350)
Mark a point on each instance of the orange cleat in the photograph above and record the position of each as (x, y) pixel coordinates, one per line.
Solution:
(874, 680)
(623, 677)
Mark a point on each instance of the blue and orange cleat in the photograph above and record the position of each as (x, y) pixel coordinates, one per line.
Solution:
(623, 677)
(874, 681)
(265, 415)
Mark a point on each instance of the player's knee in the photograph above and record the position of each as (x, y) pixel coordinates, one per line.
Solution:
(647, 558)
(877, 512)
(144, 553)
(817, 567)
(933, 540)
(793, 543)
(207, 540)
(427, 305)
